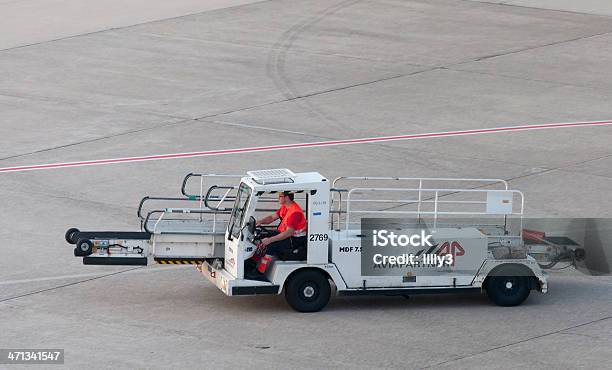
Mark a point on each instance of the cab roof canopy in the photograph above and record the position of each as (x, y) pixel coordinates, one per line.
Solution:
(281, 179)
(274, 176)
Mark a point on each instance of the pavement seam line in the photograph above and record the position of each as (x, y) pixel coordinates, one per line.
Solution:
(92, 274)
(78, 200)
(100, 107)
(293, 50)
(535, 47)
(508, 4)
(129, 132)
(128, 26)
(208, 116)
(550, 82)
(518, 342)
(66, 285)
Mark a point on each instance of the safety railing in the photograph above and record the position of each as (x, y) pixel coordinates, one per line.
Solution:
(213, 201)
(491, 204)
(214, 204)
(220, 200)
(339, 187)
(157, 217)
(421, 180)
(202, 178)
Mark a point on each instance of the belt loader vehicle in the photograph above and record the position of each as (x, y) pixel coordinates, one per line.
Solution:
(218, 233)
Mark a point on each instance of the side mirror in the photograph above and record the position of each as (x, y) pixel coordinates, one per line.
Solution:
(251, 225)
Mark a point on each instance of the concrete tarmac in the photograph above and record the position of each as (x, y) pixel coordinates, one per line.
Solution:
(286, 71)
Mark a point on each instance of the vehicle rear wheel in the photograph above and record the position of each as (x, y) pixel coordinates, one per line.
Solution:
(308, 291)
(71, 235)
(83, 248)
(508, 290)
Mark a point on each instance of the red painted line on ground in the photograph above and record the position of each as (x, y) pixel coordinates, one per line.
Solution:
(304, 145)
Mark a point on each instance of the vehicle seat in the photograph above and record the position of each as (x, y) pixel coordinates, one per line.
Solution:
(298, 253)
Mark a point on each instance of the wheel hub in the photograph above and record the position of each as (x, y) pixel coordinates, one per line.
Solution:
(309, 291)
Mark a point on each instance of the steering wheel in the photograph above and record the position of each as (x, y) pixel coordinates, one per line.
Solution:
(257, 232)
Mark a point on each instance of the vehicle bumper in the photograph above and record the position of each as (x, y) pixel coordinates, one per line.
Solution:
(231, 286)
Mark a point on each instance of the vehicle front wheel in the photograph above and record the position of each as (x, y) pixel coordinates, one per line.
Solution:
(308, 291)
(508, 290)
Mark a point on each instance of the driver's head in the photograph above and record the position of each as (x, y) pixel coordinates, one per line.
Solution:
(285, 198)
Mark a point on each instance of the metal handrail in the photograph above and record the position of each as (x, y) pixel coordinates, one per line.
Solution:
(163, 212)
(208, 204)
(436, 202)
(226, 197)
(198, 211)
(202, 176)
(378, 178)
(421, 180)
(148, 198)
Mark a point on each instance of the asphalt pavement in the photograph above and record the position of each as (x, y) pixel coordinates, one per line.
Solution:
(82, 82)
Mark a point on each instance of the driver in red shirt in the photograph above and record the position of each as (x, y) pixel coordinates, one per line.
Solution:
(292, 229)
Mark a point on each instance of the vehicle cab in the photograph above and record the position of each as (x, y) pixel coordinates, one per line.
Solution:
(255, 197)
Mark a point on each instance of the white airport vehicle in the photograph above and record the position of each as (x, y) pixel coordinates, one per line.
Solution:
(475, 222)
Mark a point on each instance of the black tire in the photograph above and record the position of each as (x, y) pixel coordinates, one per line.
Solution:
(308, 291)
(84, 247)
(71, 235)
(508, 290)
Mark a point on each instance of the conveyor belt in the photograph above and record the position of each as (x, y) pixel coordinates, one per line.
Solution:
(98, 235)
